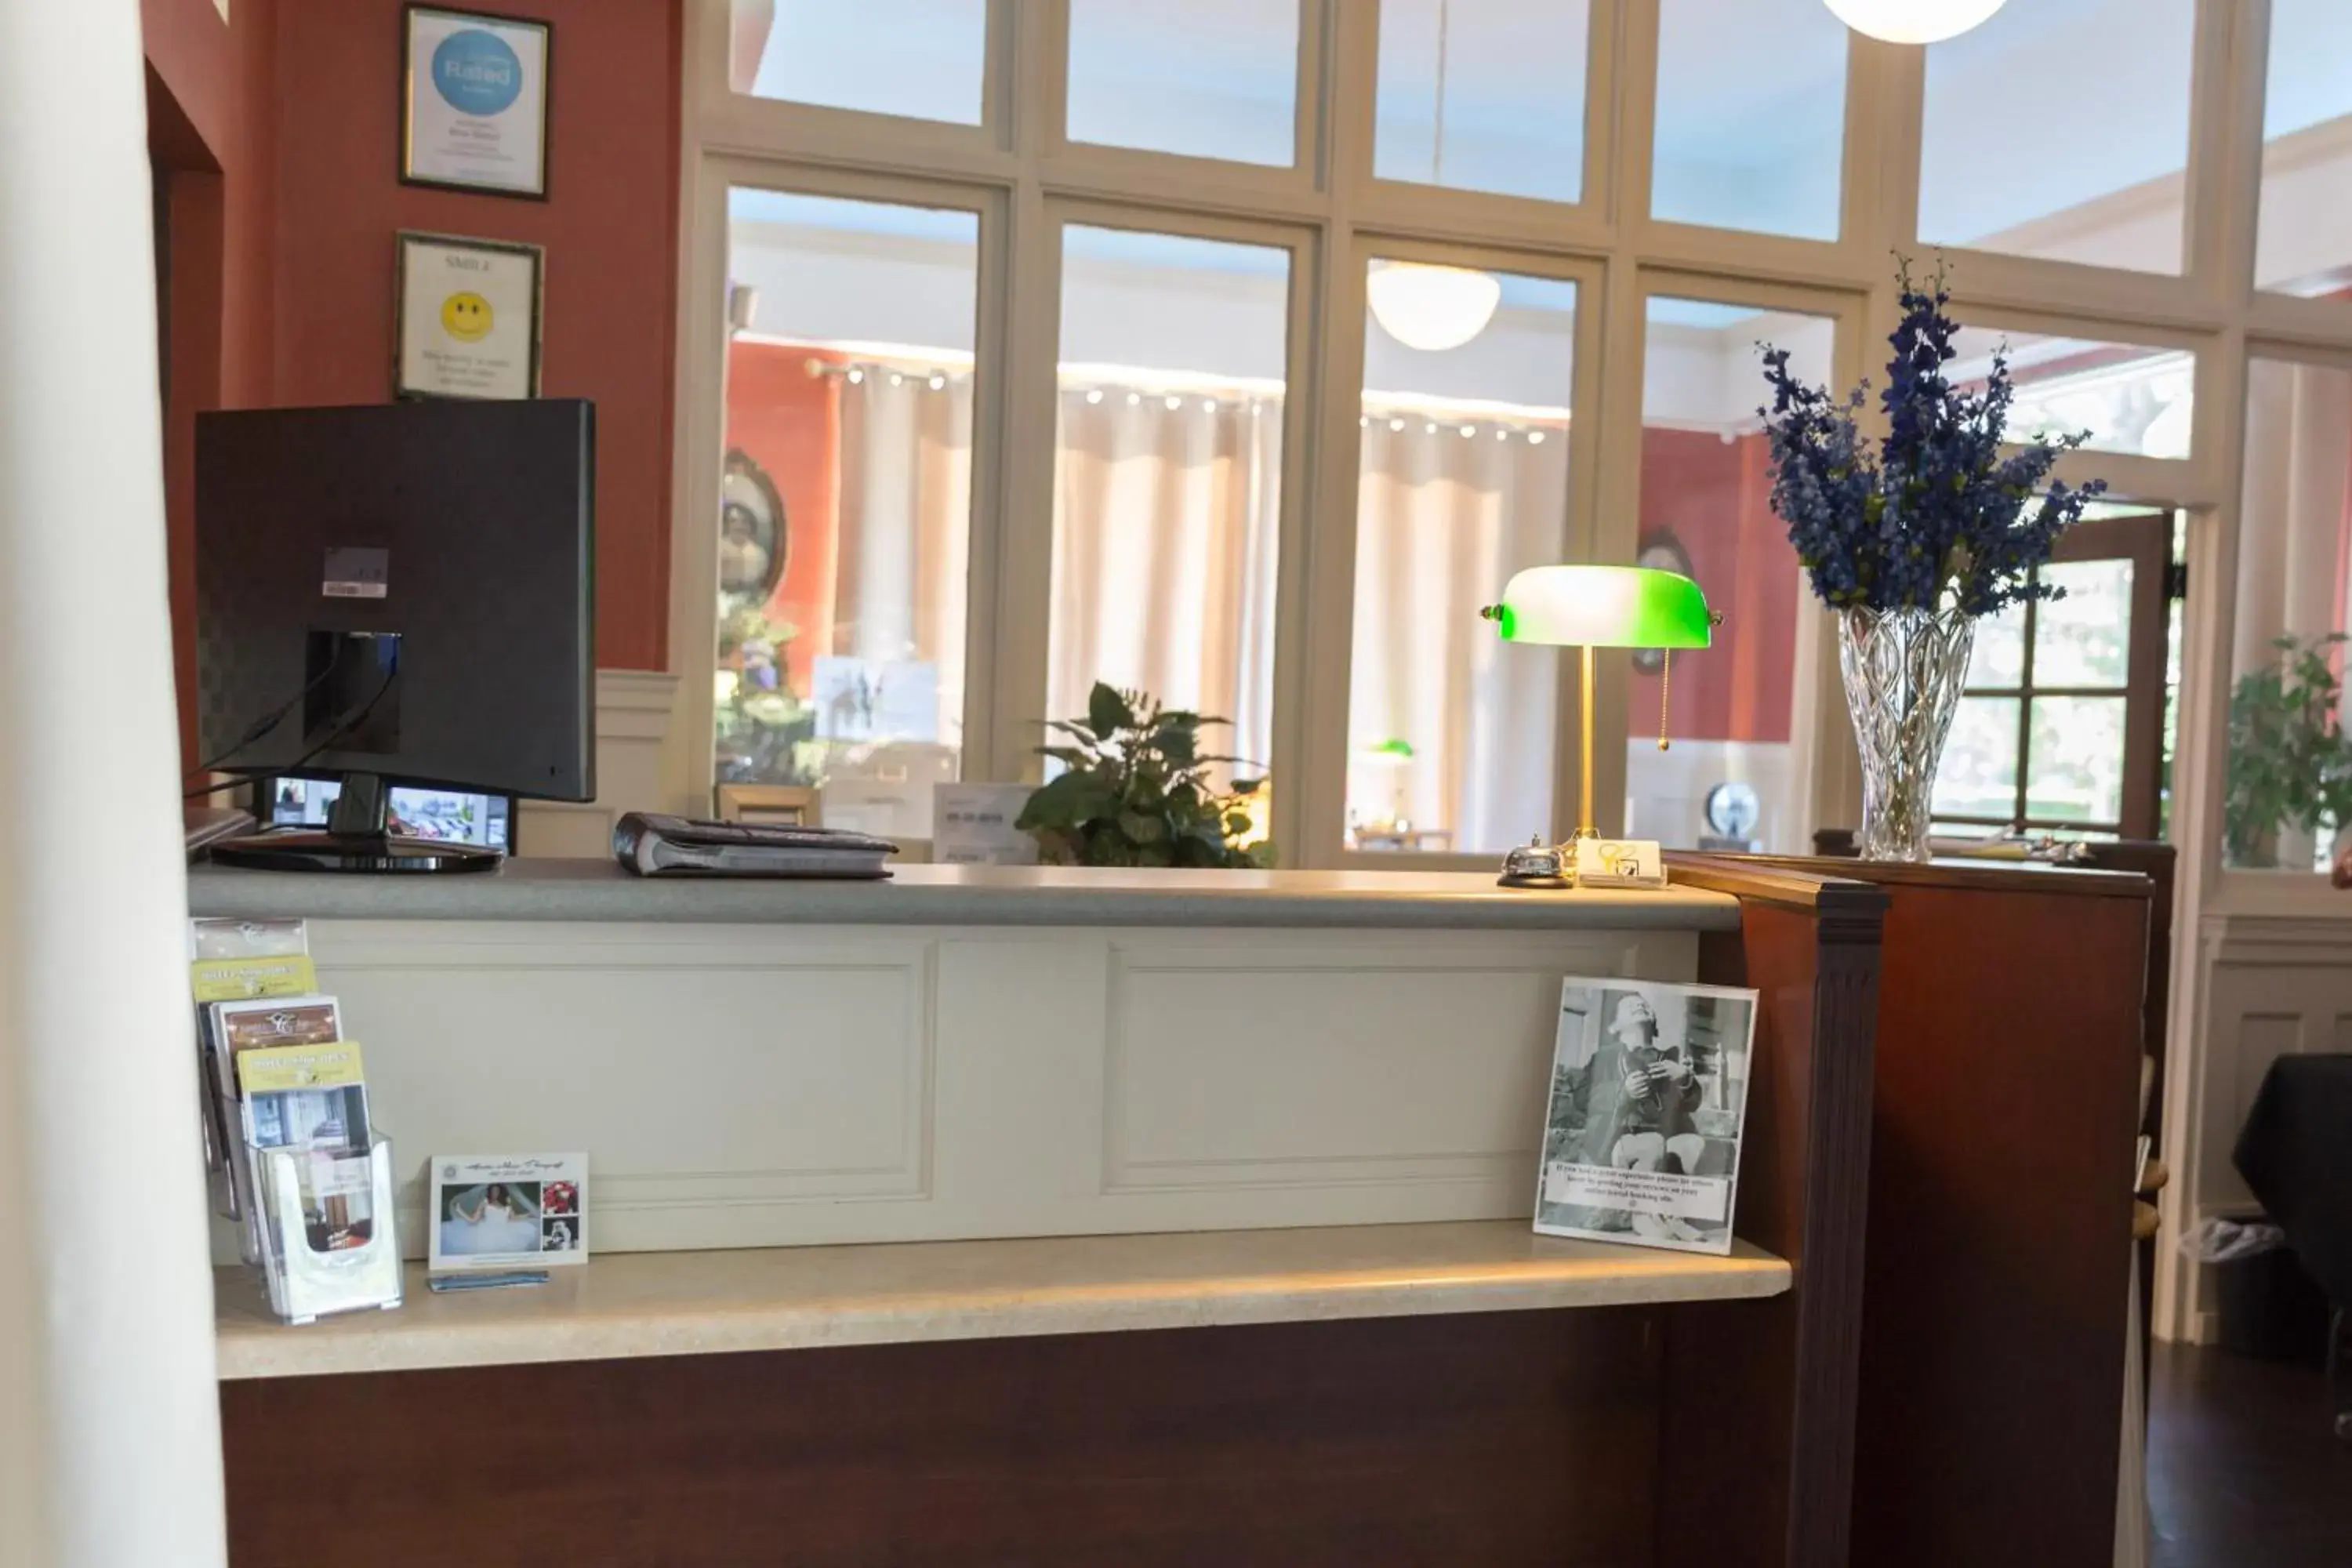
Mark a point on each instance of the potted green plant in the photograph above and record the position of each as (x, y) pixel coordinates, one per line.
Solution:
(1135, 790)
(2290, 760)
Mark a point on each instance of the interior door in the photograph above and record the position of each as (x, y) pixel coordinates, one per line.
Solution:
(2061, 727)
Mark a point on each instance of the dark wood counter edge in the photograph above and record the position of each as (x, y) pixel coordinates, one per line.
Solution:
(1759, 1405)
(1997, 875)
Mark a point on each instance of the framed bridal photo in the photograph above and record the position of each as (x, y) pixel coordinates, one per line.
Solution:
(508, 1211)
(472, 101)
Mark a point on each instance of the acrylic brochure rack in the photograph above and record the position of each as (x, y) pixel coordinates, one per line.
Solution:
(317, 1257)
(291, 1152)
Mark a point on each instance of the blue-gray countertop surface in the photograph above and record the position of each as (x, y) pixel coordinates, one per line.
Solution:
(961, 895)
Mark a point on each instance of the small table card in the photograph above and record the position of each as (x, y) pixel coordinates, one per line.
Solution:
(508, 1211)
(1620, 863)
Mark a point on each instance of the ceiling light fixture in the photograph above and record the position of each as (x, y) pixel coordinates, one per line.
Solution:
(1425, 306)
(1913, 21)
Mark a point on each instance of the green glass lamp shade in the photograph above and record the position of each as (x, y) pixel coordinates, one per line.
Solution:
(1603, 606)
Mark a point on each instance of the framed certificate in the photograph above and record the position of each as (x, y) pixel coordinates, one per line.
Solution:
(472, 101)
(467, 314)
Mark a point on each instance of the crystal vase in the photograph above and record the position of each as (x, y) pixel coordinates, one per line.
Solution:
(1904, 670)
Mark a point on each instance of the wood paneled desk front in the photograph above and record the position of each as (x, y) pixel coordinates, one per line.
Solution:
(1284, 1126)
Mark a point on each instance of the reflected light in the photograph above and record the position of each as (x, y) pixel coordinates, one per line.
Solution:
(1431, 307)
(1913, 21)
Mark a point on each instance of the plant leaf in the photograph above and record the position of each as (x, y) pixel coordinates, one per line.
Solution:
(1106, 710)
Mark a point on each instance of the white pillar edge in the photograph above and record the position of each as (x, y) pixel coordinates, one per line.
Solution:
(110, 1426)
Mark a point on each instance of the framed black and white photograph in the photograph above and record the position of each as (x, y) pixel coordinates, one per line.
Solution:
(472, 101)
(466, 315)
(1641, 1131)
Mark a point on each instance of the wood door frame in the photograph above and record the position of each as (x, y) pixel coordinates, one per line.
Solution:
(2144, 538)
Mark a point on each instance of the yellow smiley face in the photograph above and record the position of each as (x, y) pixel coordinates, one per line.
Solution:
(466, 316)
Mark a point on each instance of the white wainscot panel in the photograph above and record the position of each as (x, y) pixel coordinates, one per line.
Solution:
(2271, 987)
(1270, 1080)
(710, 1072)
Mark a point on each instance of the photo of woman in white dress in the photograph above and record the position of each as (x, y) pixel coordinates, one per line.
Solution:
(495, 1217)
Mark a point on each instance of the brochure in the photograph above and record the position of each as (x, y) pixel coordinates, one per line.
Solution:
(312, 1098)
(260, 1023)
(1649, 1090)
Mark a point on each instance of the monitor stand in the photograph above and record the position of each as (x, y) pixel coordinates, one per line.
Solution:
(358, 839)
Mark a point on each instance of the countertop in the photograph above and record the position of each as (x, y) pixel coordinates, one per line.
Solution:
(961, 895)
(692, 1303)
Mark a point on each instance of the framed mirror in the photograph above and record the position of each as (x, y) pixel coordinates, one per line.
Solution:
(753, 538)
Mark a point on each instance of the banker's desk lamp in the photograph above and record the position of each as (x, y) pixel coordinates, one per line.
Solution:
(1588, 607)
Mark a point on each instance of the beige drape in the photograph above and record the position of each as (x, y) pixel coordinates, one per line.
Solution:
(1442, 522)
(905, 528)
(2292, 566)
(2295, 555)
(1165, 556)
(1165, 546)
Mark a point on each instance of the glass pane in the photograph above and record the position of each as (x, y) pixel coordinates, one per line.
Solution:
(2085, 638)
(1483, 95)
(845, 513)
(1706, 511)
(1214, 78)
(2076, 769)
(1168, 495)
(2131, 397)
(1998, 656)
(923, 59)
(1464, 480)
(1742, 148)
(2304, 242)
(1978, 776)
(2288, 800)
(2021, 152)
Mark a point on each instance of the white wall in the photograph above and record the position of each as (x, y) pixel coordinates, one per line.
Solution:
(2273, 986)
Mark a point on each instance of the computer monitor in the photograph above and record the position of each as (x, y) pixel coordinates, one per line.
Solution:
(401, 595)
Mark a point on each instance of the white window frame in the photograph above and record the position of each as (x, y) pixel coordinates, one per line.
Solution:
(1023, 174)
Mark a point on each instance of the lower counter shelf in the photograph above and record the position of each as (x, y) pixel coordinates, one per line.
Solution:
(690, 1303)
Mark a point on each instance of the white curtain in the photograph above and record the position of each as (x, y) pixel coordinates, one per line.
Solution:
(1165, 550)
(905, 513)
(1442, 522)
(2295, 531)
(2292, 562)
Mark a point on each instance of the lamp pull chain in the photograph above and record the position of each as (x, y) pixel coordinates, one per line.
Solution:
(1666, 685)
(1437, 134)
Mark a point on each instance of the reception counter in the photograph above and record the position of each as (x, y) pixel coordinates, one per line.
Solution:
(971, 1053)
(1064, 1216)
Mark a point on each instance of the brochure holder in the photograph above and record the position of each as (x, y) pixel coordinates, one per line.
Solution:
(319, 1253)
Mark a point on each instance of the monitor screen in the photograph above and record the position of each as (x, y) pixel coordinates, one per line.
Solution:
(452, 816)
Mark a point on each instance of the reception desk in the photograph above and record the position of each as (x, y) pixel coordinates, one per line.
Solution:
(1208, 1194)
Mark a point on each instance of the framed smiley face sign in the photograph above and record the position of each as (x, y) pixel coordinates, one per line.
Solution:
(467, 318)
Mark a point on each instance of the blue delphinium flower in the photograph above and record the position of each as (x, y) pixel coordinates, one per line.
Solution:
(1936, 515)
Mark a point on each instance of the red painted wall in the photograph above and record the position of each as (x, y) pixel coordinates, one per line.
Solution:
(609, 224)
(1716, 496)
(789, 421)
(281, 130)
(211, 116)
